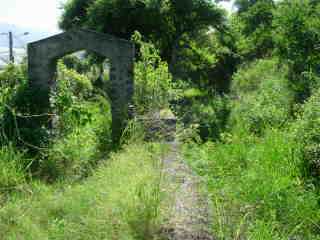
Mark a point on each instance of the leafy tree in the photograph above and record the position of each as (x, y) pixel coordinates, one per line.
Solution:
(253, 21)
(227, 59)
(195, 59)
(297, 34)
(244, 5)
(207, 61)
(164, 22)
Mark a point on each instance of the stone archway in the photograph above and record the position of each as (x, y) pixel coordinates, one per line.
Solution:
(42, 61)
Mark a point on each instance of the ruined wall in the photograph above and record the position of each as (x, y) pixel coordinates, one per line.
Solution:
(42, 61)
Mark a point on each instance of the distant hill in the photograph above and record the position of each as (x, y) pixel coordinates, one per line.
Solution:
(19, 40)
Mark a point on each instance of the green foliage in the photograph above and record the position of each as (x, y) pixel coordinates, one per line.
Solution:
(77, 119)
(162, 22)
(263, 97)
(121, 201)
(82, 131)
(193, 93)
(227, 59)
(153, 82)
(253, 22)
(256, 187)
(22, 120)
(69, 99)
(193, 59)
(250, 77)
(297, 24)
(72, 157)
(306, 132)
(210, 116)
(12, 79)
(12, 169)
(73, 62)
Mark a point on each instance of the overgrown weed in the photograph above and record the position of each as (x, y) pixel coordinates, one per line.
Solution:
(257, 188)
(121, 201)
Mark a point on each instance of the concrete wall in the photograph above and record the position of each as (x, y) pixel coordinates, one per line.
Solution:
(43, 56)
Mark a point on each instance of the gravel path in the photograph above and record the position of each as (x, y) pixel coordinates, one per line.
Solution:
(189, 216)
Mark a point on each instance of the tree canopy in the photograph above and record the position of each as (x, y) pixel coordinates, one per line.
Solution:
(163, 22)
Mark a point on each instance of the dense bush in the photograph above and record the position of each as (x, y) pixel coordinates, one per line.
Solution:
(208, 115)
(262, 96)
(76, 117)
(297, 32)
(193, 60)
(306, 131)
(82, 129)
(13, 169)
(122, 200)
(74, 62)
(68, 101)
(152, 79)
(256, 187)
(253, 25)
(12, 80)
(71, 157)
(23, 121)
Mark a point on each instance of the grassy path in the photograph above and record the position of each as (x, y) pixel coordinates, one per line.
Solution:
(189, 216)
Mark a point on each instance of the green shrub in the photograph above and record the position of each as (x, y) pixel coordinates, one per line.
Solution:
(197, 109)
(22, 119)
(77, 118)
(209, 115)
(12, 169)
(153, 82)
(82, 139)
(71, 157)
(256, 187)
(74, 62)
(248, 78)
(12, 81)
(262, 97)
(69, 99)
(306, 131)
(297, 32)
(121, 201)
(11, 78)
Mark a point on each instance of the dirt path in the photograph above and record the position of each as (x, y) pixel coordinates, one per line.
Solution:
(189, 216)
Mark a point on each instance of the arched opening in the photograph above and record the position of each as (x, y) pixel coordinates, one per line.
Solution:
(44, 54)
(81, 97)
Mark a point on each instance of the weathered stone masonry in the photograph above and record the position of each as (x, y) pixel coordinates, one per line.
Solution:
(42, 61)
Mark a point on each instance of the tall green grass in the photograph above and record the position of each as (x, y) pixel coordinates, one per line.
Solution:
(122, 200)
(257, 188)
(118, 197)
(262, 96)
(259, 173)
(306, 131)
(12, 169)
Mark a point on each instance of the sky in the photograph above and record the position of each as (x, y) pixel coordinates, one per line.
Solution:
(227, 5)
(37, 14)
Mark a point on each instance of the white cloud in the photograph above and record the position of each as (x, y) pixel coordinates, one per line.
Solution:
(36, 14)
